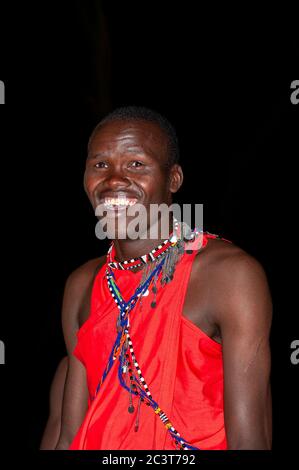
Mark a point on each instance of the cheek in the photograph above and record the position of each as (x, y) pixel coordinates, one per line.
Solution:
(155, 187)
(90, 181)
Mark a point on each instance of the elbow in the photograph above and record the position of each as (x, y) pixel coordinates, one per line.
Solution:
(61, 446)
(63, 443)
(249, 446)
(249, 443)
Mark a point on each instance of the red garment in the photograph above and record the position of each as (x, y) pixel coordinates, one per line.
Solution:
(180, 363)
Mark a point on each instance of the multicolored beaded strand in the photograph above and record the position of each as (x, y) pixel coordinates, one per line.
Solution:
(125, 308)
(124, 343)
(145, 396)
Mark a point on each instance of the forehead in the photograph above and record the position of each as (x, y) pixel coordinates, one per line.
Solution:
(125, 135)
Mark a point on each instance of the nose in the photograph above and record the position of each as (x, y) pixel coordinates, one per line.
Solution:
(117, 181)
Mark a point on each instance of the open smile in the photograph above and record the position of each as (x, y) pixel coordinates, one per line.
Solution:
(118, 202)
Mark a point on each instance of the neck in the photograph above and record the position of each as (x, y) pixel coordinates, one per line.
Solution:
(126, 249)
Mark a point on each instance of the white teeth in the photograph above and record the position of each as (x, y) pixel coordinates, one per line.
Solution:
(119, 201)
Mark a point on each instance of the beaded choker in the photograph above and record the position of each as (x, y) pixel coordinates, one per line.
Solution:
(153, 255)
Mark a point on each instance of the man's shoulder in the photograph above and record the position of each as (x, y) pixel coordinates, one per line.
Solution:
(77, 292)
(84, 274)
(235, 279)
(226, 265)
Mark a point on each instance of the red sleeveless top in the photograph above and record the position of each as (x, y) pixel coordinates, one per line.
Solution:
(180, 363)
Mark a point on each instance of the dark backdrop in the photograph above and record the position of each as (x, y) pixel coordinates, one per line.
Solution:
(223, 79)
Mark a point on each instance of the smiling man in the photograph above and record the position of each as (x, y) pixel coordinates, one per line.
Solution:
(168, 339)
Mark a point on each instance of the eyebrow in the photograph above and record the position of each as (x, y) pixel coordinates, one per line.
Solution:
(98, 154)
(136, 149)
(140, 150)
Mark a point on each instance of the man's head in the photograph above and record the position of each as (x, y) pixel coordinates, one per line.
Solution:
(133, 153)
(140, 113)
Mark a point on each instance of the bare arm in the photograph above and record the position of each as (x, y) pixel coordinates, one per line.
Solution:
(245, 322)
(75, 398)
(52, 429)
(74, 403)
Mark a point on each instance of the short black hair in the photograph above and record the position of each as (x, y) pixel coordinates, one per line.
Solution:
(141, 113)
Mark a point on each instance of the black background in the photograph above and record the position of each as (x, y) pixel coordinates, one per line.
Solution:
(223, 79)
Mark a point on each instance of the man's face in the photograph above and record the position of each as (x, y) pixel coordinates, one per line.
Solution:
(127, 161)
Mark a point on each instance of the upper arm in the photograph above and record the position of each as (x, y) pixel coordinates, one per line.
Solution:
(75, 398)
(245, 323)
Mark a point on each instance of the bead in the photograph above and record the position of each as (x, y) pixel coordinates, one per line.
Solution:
(153, 304)
(131, 409)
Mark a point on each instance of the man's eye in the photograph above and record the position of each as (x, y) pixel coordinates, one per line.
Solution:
(100, 165)
(136, 164)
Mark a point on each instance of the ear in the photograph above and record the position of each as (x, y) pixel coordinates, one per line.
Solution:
(176, 178)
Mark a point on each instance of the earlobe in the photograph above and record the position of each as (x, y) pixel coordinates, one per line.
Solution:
(176, 178)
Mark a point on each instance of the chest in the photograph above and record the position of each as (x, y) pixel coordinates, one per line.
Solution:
(198, 304)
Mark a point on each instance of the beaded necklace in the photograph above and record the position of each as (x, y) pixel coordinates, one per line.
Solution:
(144, 259)
(164, 256)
